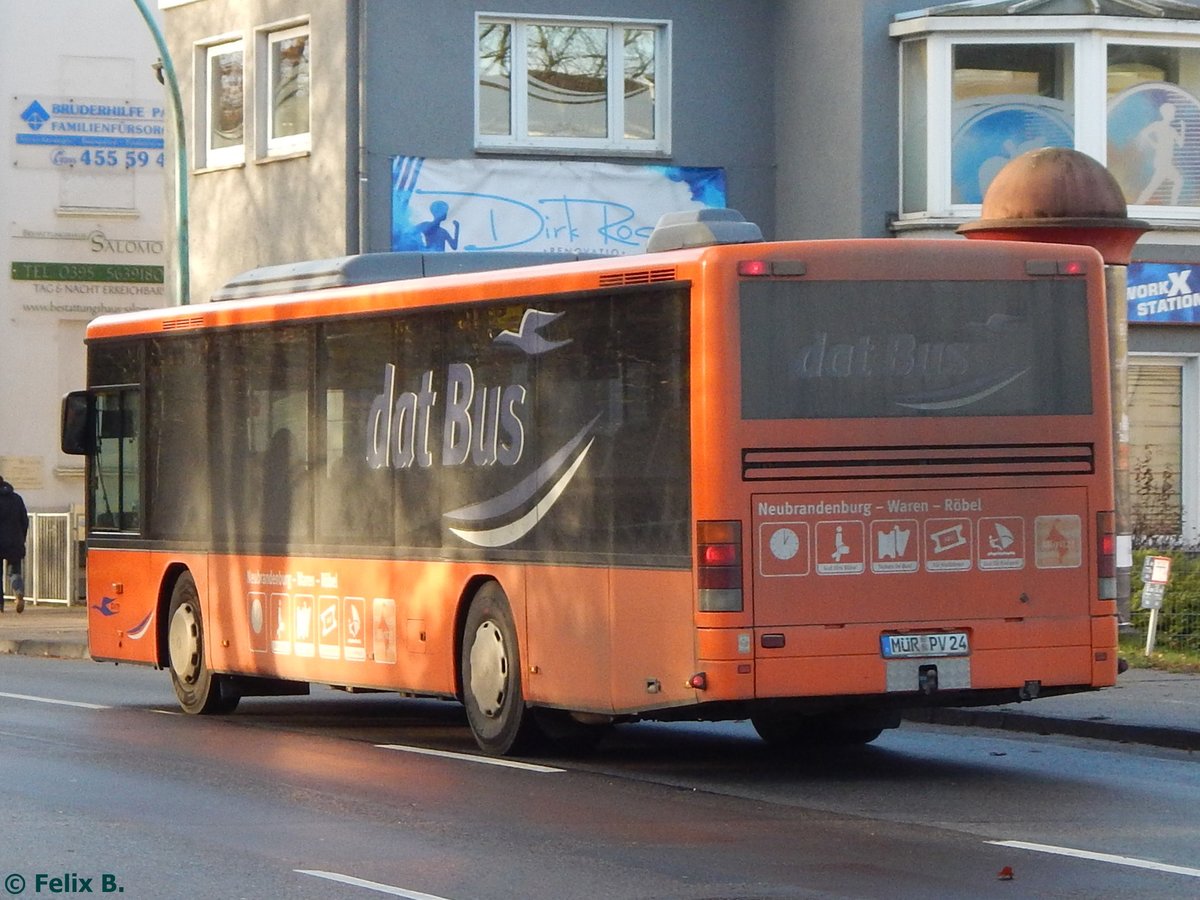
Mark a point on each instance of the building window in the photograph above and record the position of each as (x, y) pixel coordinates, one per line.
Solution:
(572, 85)
(287, 91)
(975, 96)
(1161, 477)
(1154, 124)
(224, 104)
(1007, 98)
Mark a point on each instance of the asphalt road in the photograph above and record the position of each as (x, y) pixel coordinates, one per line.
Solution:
(337, 796)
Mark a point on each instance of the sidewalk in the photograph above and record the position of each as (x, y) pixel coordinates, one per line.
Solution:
(44, 630)
(1145, 707)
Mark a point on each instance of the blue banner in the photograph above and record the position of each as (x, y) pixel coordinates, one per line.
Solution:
(1163, 293)
(447, 205)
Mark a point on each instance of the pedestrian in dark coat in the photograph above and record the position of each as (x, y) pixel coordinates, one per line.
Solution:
(14, 526)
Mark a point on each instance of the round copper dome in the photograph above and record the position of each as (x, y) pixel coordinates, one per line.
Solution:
(1058, 195)
(1054, 183)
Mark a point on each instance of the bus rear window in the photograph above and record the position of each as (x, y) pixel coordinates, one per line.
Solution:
(871, 349)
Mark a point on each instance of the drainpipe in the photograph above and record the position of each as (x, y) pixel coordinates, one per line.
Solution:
(182, 275)
(360, 123)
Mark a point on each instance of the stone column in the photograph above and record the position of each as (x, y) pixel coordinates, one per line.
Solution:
(1059, 195)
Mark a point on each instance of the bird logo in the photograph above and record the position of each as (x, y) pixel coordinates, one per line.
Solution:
(527, 338)
(108, 606)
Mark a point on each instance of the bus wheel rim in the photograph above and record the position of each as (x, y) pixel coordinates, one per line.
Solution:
(183, 637)
(489, 669)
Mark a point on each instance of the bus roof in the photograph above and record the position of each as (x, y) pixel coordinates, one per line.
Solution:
(373, 268)
(351, 286)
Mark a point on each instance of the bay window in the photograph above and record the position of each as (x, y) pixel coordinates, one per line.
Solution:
(977, 93)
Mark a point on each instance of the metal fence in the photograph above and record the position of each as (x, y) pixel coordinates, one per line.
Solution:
(1166, 597)
(51, 566)
(1177, 629)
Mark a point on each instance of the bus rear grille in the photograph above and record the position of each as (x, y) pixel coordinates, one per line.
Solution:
(183, 323)
(956, 461)
(644, 276)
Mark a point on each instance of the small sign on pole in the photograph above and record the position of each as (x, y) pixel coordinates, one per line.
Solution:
(1156, 572)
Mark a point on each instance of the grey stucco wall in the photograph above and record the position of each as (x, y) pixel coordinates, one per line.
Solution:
(264, 212)
(796, 99)
(837, 111)
(420, 91)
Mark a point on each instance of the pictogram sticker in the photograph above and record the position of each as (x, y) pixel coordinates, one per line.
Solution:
(895, 546)
(329, 627)
(783, 549)
(947, 545)
(841, 548)
(383, 630)
(258, 612)
(1058, 542)
(1001, 543)
(303, 634)
(280, 623)
(354, 628)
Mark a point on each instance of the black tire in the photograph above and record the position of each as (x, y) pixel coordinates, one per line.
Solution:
(566, 733)
(200, 692)
(491, 676)
(808, 733)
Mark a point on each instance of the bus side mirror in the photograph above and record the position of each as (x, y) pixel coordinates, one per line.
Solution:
(76, 436)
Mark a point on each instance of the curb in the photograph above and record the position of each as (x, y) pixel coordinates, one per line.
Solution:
(48, 649)
(1097, 729)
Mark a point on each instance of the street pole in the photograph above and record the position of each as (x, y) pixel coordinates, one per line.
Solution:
(1115, 284)
(175, 102)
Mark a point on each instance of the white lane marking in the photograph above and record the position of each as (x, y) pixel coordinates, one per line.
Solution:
(1131, 861)
(56, 702)
(470, 757)
(369, 885)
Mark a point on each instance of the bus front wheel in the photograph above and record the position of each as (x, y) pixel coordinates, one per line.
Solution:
(491, 676)
(200, 691)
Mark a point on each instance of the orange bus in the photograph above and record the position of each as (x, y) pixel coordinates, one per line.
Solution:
(811, 484)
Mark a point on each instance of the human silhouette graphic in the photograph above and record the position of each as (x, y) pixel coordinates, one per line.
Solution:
(433, 236)
(1162, 137)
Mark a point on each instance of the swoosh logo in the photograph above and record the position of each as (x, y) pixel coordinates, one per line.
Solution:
(941, 400)
(138, 631)
(556, 472)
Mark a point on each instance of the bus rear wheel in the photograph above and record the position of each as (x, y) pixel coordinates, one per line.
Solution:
(491, 676)
(200, 691)
(809, 733)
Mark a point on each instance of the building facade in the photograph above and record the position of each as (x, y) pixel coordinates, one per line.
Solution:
(81, 174)
(323, 129)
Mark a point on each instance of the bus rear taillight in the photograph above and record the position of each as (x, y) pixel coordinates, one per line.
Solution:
(719, 566)
(780, 268)
(1106, 554)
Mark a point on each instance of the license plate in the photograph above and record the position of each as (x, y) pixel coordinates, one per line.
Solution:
(946, 643)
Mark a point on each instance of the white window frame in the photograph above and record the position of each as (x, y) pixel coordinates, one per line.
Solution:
(266, 38)
(1090, 37)
(519, 140)
(1189, 405)
(210, 156)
